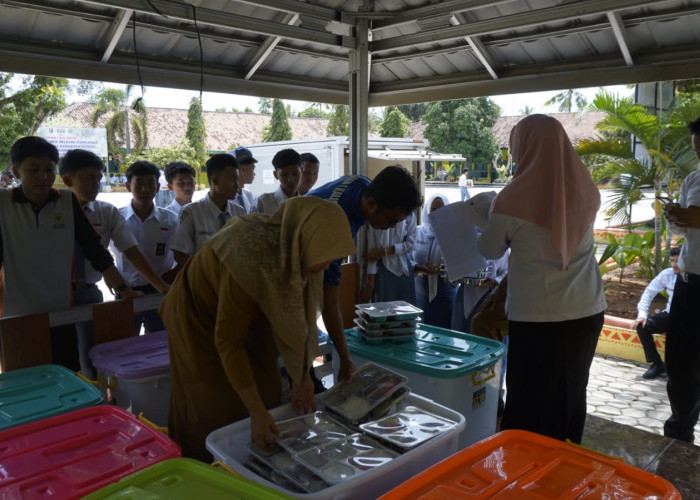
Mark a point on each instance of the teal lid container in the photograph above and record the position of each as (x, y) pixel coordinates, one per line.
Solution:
(434, 352)
(38, 392)
(184, 478)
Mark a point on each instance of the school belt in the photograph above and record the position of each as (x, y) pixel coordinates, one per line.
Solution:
(690, 278)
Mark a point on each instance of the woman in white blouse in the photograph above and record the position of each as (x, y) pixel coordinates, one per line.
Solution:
(555, 298)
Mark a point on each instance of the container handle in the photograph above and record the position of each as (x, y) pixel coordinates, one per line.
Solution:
(107, 381)
(82, 377)
(621, 459)
(152, 425)
(221, 465)
(491, 374)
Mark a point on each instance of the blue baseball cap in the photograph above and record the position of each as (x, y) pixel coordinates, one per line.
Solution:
(243, 155)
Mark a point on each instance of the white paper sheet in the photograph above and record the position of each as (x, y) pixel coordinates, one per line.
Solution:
(455, 232)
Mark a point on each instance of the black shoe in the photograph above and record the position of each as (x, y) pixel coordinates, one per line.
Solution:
(654, 371)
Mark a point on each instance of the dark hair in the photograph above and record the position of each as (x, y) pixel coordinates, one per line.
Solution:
(142, 167)
(465, 169)
(78, 159)
(675, 251)
(177, 167)
(394, 187)
(694, 127)
(285, 158)
(32, 146)
(218, 162)
(311, 158)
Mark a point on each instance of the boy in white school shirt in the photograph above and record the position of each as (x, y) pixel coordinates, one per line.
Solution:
(246, 175)
(81, 172)
(153, 227)
(180, 177)
(200, 220)
(287, 163)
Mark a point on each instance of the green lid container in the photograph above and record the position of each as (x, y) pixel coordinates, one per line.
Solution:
(184, 478)
(434, 352)
(39, 392)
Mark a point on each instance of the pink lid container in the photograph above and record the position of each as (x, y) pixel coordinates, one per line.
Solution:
(71, 455)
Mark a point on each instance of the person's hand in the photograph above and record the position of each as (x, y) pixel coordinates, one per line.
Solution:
(639, 321)
(375, 254)
(347, 368)
(303, 395)
(263, 429)
(683, 217)
(130, 293)
(489, 283)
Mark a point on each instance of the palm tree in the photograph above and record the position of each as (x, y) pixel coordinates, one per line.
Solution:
(527, 110)
(668, 157)
(124, 119)
(566, 99)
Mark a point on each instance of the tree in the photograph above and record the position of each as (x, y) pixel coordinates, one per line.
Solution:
(278, 129)
(566, 99)
(463, 126)
(669, 158)
(25, 102)
(339, 121)
(527, 110)
(314, 110)
(196, 134)
(414, 112)
(162, 156)
(395, 124)
(123, 120)
(265, 105)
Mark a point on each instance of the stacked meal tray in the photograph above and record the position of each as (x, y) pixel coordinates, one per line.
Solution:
(360, 428)
(387, 321)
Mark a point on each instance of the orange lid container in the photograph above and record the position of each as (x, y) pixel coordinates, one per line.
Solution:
(527, 466)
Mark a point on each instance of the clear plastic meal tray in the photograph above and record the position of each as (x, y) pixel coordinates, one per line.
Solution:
(343, 460)
(373, 326)
(408, 428)
(397, 310)
(370, 386)
(309, 431)
(278, 466)
(373, 338)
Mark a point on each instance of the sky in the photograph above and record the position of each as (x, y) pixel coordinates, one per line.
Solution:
(157, 97)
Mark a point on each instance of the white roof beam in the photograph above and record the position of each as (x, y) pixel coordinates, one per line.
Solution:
(114, 33)
(432, 11)
(618, 28)
(267, 46)
(479, 50)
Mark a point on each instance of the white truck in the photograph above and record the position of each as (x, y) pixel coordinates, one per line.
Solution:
(332, 153)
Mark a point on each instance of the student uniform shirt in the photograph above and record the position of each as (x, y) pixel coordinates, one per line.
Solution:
(348, 191)
(689, 259)
(268, 203)
(111, 226)
(154, 236)
(246, 200)
(665, 280)
(199, 221)
(37, 247)
(175, 207)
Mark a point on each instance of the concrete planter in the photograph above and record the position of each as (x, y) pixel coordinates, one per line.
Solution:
(617, 339)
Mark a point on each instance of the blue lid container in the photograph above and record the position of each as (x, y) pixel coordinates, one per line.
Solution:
(433, 352)
(133, 357)
(38, 392)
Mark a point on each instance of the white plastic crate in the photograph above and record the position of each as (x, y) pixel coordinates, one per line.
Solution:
(228, 445)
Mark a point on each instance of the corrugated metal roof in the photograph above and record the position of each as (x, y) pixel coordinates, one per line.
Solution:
(421, 50)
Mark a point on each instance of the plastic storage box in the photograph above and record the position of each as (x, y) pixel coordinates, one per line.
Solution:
(185, 479)
(522, 465)
(42, 391)
(137, 372)
(228, 444)
(458, 370)
(71, 455)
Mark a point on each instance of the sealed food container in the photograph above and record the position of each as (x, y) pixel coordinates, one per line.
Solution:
(309, 431)
(370, 386)
(372, 326)
(70, 455)
(185, 479)
(524, 465)
(458, 370)
(279, 466)
(136, 371)
(344, 459)
(228, 445)
(380, 312)
(42, 391)
(408, 428)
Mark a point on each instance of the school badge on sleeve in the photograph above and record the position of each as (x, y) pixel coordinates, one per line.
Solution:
(58, 221)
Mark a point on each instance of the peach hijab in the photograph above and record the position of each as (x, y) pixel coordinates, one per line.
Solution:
(551, 187)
